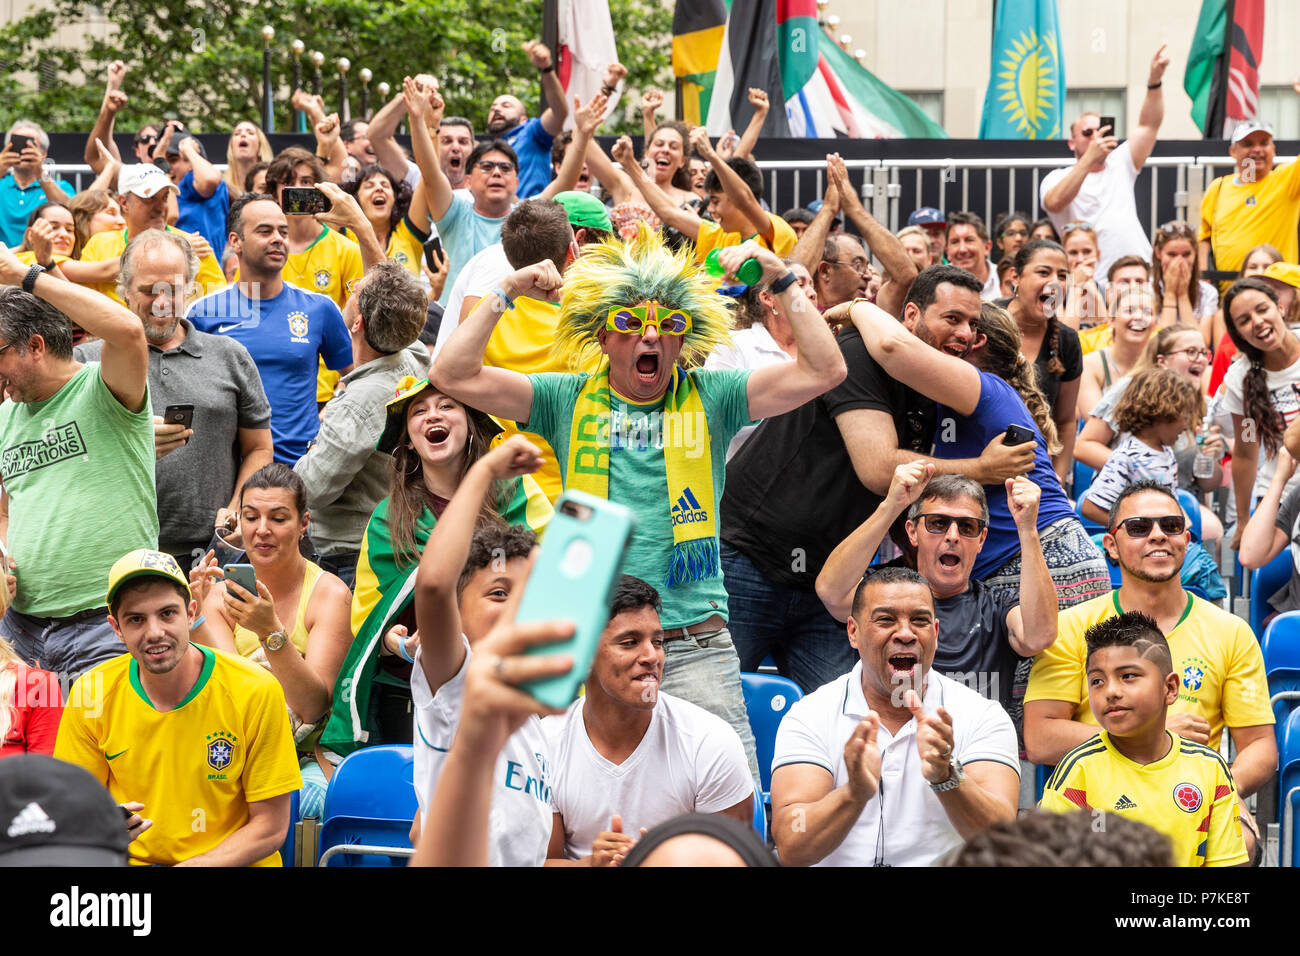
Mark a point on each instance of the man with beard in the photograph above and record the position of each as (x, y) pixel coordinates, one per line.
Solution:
(200, 468)
(1216, 657)
(531, 138)
(286, 329)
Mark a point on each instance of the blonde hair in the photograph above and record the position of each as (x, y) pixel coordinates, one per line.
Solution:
(233, 177)
(9, 661)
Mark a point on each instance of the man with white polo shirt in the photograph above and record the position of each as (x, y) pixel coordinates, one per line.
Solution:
(892, 764)
(626, 757)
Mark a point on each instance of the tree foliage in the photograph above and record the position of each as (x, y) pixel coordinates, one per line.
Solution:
(202, 59)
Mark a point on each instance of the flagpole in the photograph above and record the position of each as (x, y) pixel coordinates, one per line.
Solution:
(1217, 109)
(551, 37)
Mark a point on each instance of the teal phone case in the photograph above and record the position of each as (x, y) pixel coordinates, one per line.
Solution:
(573, 580)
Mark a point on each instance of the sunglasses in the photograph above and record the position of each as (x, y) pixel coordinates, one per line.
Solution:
(1072, 226)
(1141, 527)
(146, 139)
(939, 524)
(489, 167)
(634, 318)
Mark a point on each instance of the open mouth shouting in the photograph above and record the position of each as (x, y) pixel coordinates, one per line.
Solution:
(950, 560)
(905, 666)
(647, 366)
(436, 435)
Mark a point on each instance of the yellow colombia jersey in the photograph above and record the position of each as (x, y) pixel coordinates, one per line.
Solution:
(712, 237)
(110, 245)
(1187, 795)
(1245, 214)
(522, 342)
(226, 745)
(325, 267)
(1219, 665)
(405, 245)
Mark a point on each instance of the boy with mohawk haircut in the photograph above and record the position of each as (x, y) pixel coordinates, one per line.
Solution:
(649, 428)
(1137, 768)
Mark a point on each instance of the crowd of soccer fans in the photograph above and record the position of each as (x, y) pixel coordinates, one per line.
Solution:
(281, 435)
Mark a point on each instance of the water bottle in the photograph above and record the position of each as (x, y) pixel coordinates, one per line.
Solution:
(1202, 464)
(749, 273)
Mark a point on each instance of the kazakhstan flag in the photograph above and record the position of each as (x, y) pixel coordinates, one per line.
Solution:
(1026, 92)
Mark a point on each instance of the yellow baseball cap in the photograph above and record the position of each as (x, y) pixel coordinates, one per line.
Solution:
(144, 561)
(1284, 272)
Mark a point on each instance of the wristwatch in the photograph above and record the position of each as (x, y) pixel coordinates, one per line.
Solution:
(276, 640)
(955, 777)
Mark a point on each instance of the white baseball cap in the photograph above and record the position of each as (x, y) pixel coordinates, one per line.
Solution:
(1250, 126)
(142, 179)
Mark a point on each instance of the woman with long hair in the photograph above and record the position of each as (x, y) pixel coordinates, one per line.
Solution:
(1085, 305)
(1261, 391)
(434, 440)
(247, 147)
(1131, 328)
(31, 705)
(1041, 275)
(94, 211)
(393, 211)
(993, 387)
(1215, 328)
(1010, 233)
(52, 242)
(1181, 294)
(667, 158)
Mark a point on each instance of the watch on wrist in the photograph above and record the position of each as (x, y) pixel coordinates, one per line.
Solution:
(784, 282)
(955, 777)
(276, 640)
(29, 280)
(549, 68)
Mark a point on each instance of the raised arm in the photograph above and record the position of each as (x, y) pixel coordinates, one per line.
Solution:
(843, 570)
(651, 101)
(437, 613)
(330, 148)
(381, 129)
(1143, 139)
(459, 371)
(812, 244)
(1032, 623)
(206, 176)
(899, 268)
(557, 110)
(614, 181)
(936, 375)
(818, 365)
(586, 121)
(683, 220)
(102, 131)
(749, 138)
(734, 187)
(425, 111)
(124, 359)
(1062, 194)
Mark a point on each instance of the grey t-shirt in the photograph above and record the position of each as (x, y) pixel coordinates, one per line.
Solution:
(216, 375)
(1288, 598)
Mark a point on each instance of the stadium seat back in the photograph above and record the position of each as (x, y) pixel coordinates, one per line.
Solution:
(370, 800)
(1289, 780)
(1264, 583)
(767, 699)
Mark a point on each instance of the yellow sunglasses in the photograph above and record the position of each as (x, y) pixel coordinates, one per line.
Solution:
(634, 318)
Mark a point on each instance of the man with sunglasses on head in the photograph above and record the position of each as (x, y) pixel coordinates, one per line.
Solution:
(1216, 657)
(982, 635)
(1098, 188)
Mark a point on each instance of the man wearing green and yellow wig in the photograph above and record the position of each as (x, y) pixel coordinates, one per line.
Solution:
(650, 428)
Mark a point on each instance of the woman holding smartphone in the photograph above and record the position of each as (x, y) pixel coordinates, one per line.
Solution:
(294, 620)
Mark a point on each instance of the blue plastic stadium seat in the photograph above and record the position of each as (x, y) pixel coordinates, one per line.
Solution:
(760, 814)
(1264, 583)
(1089, 525)
(370, 801)
(1083, 478)
(767, 698)
(1281, 650)
(286, 851)
(1289, 792)
(1193, 509)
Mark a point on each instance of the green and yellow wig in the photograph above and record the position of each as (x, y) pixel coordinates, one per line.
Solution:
(615, 273)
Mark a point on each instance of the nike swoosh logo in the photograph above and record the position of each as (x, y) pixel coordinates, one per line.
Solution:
(227, 328)
(109, 756)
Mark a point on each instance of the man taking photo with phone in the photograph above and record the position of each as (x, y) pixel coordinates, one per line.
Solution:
(24, 184)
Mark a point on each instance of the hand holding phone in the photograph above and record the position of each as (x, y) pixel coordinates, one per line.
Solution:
(1017, 435)
(304, 201)
(244, 576)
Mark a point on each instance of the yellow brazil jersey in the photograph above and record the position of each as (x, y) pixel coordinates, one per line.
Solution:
(195, 768)
(1219, 665)
(405, 245)
(325, 267)
(110, 245)
(1187, 795)
(712, 237)
(522, 342)
(28, 258)
(1238, 216)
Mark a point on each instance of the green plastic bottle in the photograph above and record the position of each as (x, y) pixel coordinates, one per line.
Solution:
(750, 271)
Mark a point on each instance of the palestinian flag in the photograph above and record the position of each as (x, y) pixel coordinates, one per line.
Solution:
(1222, 75)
